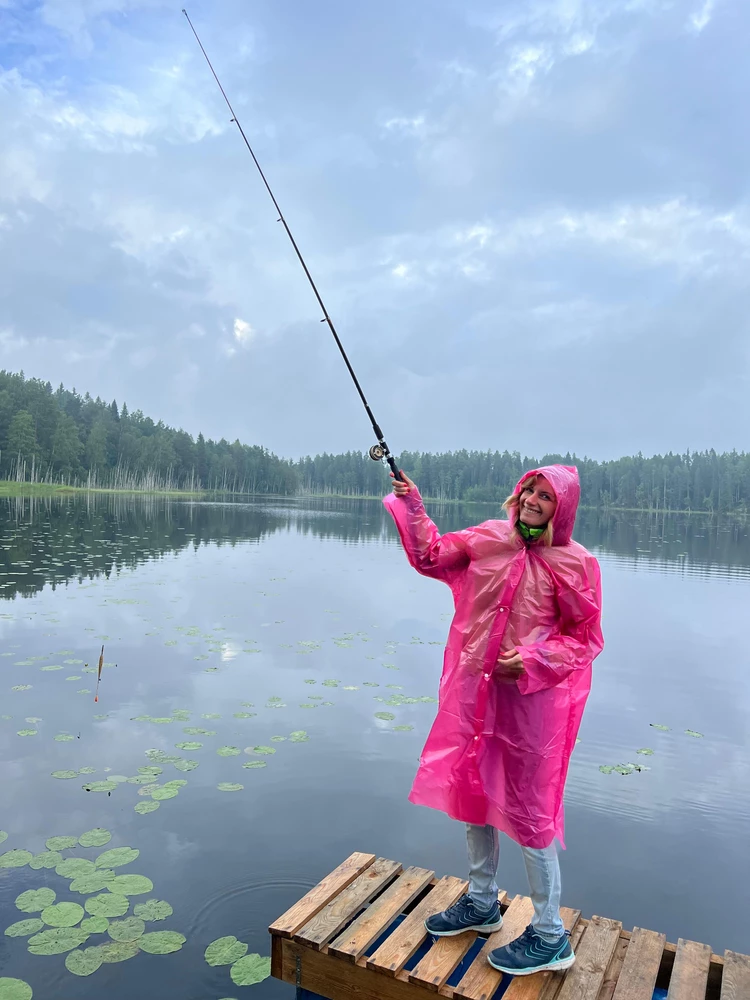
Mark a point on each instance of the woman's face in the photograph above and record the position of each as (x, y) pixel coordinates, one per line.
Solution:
(538, 503)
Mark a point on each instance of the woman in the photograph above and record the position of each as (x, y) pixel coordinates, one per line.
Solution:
(516, 675)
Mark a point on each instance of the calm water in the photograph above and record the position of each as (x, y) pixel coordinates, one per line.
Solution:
(259, 620)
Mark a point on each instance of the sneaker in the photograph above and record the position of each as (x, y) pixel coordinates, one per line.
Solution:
(464, 915)
(529, 954)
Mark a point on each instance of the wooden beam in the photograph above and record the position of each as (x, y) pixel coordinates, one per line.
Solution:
(368, 927)
(433, 971)
(398, 948)
(689, 977)
(641, 967)
(329, 977)
(614, 968)
(480, 980)
(327, 923)
(584, 980)
(735, 982)
(312, 902)
(533, 987)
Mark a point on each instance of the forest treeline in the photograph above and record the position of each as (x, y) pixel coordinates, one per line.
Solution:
(58, 436)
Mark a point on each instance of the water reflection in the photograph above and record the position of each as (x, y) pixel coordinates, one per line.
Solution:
(54, 540)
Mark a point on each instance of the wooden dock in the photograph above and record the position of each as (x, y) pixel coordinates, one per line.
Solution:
(360, 935)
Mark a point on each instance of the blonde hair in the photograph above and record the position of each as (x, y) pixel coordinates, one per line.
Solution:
(511, 506)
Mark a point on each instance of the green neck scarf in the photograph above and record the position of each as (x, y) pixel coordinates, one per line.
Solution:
(530, 534)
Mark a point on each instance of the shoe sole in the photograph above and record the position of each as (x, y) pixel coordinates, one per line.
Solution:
(479, 928)
(561, 966)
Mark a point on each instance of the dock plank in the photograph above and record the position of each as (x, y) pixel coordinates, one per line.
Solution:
(641, 966)
(534, 987)
(584, 980)
(614, 968)
(690, 971)
(320, 895)
(327, 923)
(480, 980)
(735, 980)
(357, 938)
(398, 948)
(554, 983)
(435, 968)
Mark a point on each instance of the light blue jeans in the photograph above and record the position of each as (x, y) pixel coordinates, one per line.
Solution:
(542, 869)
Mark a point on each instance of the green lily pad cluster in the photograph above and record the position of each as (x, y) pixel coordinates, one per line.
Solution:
(244, 969)
(63, 926)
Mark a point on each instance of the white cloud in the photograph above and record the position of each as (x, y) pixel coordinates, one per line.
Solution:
(400, 125)
(700, 18)
(243, 332)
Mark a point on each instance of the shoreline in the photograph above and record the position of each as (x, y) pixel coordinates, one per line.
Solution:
(11, 488)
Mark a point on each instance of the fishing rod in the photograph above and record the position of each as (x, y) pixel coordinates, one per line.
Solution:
(378, 451)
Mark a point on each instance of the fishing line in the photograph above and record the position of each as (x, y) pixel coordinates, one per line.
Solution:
(378, 451)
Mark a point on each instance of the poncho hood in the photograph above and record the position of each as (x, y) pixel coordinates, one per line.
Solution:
(567, 486)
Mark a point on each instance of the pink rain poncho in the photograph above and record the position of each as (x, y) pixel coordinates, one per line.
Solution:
(499, 749)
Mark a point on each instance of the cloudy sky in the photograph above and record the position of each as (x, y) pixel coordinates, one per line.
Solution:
(530, 219)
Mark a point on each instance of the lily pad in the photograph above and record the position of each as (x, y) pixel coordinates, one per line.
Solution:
(60, 843)
(129, 929)
(256, 763)
(118, 951)
(299, 736)
(92, 882)
(3, 836)
(14, 989)
(160, 794)
(146, 807)
(47, 859)
(692, 732)
(117, 857)
(185, 765)
(15, 859)
(94, 925)
(86, 770)
(23, 928)
(75, 867)
(250, 970)
(645, 751)
(244, 715)
(229, 786)
(131, 885)
(161, 942)
(62, 914)
(402, 729)
(97, 837)
(385, 716)
(99, 786)
(262, 750)
(188, 745)
(655, 725)
(64, 774)
(153, 909)
(197, 731)
(225, 951)
(228, 751)
(107, 905)
(27, 732)
(84, 962)
(57, 940)
(606, 768)
(35, 900)
(175, 783)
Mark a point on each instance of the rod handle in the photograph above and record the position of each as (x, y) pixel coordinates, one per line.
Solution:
(394, 469)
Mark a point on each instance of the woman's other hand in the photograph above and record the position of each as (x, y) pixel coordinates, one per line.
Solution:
(401, 489)
(510, 662)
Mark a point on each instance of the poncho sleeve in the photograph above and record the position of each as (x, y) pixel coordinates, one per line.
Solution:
(443, 557)
(579, 640)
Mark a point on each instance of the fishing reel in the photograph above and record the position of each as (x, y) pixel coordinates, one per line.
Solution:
(377, 453)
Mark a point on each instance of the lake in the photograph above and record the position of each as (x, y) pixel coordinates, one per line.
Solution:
(282, 660)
